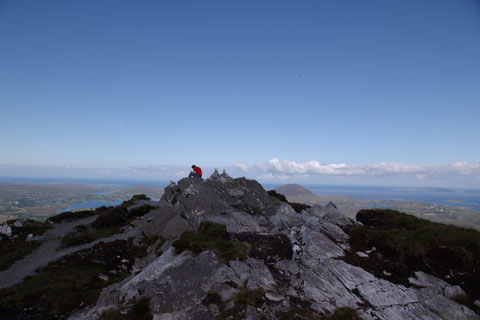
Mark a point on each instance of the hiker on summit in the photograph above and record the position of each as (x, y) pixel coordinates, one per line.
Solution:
(196, 172)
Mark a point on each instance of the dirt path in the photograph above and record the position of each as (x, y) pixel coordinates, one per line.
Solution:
(47, 252)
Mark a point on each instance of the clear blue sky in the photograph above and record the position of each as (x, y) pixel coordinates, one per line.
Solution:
(116, 84)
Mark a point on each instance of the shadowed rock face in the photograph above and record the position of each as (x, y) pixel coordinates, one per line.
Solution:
(266, 247)
(295, 265)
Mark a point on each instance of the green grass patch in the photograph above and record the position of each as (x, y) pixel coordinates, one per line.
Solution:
(72, 215)
(91, 235)
(66, 285)
(278, 195)
(14, 249)
(211, 236)
(411, 237)
(298, 207)
(133, 199)
(406, 244)
(109, 222)
(108, 212)
(245, 297)
(141, 251)
(340, 313)
(212, 298)
(11, 251)
(252, 297)
(344, 313)
(33, 227)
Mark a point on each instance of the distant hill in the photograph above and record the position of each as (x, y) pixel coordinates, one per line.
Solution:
(293, 190)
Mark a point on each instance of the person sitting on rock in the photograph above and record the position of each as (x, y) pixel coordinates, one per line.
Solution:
(196, 172)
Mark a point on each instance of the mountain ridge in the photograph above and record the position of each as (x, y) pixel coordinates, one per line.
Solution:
(292, 190)
(296, 263)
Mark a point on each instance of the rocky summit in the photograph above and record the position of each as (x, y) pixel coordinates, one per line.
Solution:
(219, 248)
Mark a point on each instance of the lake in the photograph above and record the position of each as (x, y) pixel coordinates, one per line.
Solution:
(90, 204)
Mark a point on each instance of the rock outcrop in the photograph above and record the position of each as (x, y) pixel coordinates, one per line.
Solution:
(295, 265)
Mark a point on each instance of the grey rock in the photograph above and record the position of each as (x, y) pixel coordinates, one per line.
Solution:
(288, 265)
(316, 275)
(316, 211)
(477, 303)
(334, 216)
(225, 291)
(438, 285)
(452, 292)
(251, 313)
(103, 277)
(317, 247)
(229, 305)
(284, 219)
(272, 296)
(164, 222)
(329, 213)
(382, 294)
(447, 309)
(19, 222)
(222, 178)
(254, 273)
(6, 230)
(362, 254)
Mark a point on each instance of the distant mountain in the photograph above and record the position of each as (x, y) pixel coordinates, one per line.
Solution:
(293, 190)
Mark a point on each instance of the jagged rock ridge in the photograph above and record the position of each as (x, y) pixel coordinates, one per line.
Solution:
(295, 263)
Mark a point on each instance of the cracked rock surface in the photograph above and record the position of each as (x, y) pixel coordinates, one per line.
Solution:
(307, 273)
(295, 263)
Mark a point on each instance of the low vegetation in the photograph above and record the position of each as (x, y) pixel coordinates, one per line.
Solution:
(413, 238)
(11, 251)
(72, 215)
(343, 313)
(110, 221)
(211, 236)
(141, 252)
(405, 244)
(245, 297)
(298, 207)
(66, 285)
(15, 248)
(340, 313)
(87, 235)
(249, 297)
(135, 198)
(140, 310)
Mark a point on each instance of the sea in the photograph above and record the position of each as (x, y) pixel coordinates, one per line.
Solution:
(448, 197)
(441, 196)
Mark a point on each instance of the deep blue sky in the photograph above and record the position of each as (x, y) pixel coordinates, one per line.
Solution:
(116, 84)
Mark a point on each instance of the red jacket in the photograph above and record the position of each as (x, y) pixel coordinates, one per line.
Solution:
(198, 171)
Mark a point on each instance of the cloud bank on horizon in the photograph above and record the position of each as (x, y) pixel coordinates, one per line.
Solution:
(284, 169)
(455, 173)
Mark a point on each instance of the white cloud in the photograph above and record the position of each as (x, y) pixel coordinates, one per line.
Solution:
(271, 176)
(276, 166)
(241, 166)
